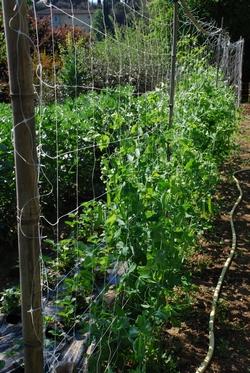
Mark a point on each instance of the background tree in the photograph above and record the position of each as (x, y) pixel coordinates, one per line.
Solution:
(236, 17)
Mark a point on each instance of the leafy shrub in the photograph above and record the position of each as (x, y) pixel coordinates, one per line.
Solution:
(7, 176)
(51, 40)
(10, 301)
(2, 43)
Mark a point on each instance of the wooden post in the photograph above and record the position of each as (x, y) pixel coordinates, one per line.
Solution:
(173, 70)
(22, 96)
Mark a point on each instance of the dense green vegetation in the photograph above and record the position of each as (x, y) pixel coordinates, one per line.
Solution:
(151, 215)
(117, 268)
(150, 219)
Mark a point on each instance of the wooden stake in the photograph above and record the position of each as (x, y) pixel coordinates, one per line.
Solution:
(173, 70)
(22, 96)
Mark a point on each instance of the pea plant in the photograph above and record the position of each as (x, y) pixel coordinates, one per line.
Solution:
(118, 269)
(131, 246)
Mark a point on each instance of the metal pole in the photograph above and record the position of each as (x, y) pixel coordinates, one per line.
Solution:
(241, 52)
(22, 97)
(218, 53)
(173, 70)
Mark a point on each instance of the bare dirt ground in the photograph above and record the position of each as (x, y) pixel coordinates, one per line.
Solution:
(232, 327)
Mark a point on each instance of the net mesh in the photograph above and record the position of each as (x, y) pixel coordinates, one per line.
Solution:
(102, 73)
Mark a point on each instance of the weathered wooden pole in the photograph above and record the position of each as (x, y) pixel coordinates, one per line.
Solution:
(22, 96)
(173, 69)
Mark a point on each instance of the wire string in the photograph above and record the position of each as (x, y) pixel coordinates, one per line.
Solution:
(136, 50)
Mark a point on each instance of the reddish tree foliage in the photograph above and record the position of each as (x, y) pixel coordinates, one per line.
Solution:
(48, 43)
(46, 34)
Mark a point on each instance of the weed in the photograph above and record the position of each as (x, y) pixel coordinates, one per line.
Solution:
(10, 301)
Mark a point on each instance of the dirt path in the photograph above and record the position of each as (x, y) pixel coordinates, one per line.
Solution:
(232, 327)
